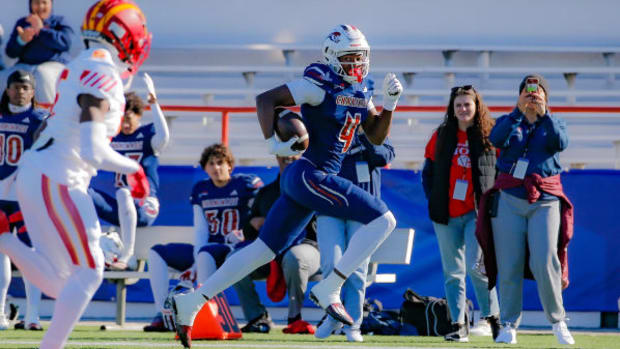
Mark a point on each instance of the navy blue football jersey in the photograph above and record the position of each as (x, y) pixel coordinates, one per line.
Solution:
(332, 124)
(138, 146)
(227, 208)
(16, 136)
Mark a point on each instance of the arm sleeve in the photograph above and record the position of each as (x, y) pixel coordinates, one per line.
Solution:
(371, 105)
(306, 92)
(377, 155)
(249, 231)
(13, 47)
(162, 133)
(557, 137)
(201, 232)
(95, 149)
(58, 38)
(427, 177)
(505, 125)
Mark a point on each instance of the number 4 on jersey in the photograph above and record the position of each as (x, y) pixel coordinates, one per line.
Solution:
(348, 130)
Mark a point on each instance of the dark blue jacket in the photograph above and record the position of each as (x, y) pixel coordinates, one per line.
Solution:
(52, 43)
(376, 156)
(544, 140)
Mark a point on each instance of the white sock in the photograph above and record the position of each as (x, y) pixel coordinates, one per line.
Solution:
(5, 280)
(33, 300)
(33, 265)
(158, 276)
(128, 219)
(363, 243)
(234, 269)
(205, 266)
(70, 305)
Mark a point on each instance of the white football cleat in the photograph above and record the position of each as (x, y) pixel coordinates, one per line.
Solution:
(4, 323)
(329, 300)
(327, 327)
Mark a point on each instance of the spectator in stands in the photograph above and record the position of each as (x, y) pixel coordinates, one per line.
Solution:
(459, 168)
(143, 144)
(19, 120)
(221, 206)
(290, 271)
(362, 166)
(41, 42)
(533, 216)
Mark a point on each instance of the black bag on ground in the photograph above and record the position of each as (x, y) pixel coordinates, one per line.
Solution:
(430, 315)
(379, 321)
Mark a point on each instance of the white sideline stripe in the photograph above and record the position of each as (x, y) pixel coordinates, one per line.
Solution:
(212, 344)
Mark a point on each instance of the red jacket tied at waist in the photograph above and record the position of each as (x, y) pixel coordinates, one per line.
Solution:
(533, 184)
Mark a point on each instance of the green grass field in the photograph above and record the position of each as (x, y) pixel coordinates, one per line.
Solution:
(92, 337)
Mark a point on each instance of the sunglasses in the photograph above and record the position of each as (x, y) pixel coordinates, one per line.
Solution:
(455, 89)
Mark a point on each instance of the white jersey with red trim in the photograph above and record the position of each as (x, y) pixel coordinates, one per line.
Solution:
(58, 147)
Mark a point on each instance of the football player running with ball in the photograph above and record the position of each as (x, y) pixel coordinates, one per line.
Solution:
(335, 97)
(66, 262)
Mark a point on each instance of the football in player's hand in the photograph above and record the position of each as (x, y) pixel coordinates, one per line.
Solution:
(290, 124)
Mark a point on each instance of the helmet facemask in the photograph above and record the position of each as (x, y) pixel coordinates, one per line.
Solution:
(354, 71)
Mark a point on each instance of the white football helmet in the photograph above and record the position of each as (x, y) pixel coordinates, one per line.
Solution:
(343, 40)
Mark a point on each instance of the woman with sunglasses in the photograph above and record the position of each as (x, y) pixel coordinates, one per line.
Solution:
(530, 213)
(459, 167)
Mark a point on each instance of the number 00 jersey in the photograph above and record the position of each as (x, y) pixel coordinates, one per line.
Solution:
(58, 148)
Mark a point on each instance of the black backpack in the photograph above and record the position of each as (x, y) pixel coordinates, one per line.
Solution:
(430, 315)
(379, 321)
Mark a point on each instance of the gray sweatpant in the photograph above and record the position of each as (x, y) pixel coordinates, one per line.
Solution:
(300, 264)
(538, 224)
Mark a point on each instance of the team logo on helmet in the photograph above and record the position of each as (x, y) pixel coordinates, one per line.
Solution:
(335, 37)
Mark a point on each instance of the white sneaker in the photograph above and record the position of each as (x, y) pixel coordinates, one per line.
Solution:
(482, 328)
(327, 327)
(4, 323)
(560, 330)
(353, 335)
(507, 334)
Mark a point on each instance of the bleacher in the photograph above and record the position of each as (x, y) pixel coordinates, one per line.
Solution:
(232, 75)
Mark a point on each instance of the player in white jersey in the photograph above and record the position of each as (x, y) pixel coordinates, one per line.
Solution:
(66, 262)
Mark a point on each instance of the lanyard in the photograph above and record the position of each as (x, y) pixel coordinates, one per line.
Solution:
(532, 130)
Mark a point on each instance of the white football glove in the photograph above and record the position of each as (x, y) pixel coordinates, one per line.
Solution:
(150, 86)
(234, 237)
(276, 147)
(392, 89)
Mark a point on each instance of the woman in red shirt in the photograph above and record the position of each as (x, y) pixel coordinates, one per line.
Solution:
(459, 167)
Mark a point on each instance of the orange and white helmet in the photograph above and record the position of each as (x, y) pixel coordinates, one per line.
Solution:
(343, 40)
(122, 25)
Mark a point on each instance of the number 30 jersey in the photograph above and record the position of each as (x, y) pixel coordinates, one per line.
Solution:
(92, 72)
(225, 208)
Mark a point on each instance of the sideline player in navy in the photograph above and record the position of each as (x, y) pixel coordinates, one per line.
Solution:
(221, 206)
(142, 144)
(335, 98)
(19, 121)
